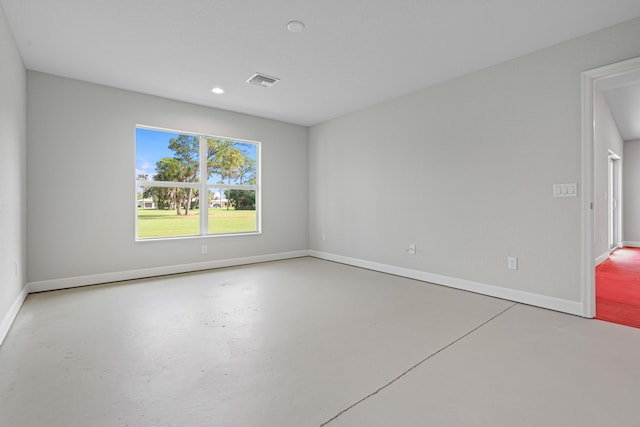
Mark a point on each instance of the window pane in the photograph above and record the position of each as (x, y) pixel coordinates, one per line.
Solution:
(166, 156)
(232, 211)
(168, 212)
(231, 162)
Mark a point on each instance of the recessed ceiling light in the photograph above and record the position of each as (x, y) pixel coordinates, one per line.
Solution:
(295, 26)
(217, 90)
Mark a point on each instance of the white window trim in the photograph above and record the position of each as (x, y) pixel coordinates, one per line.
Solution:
(204, 187)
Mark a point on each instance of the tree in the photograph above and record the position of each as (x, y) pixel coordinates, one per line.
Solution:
(170, 169)
(229, 163)
(241, 200)
(163, 197)
(246, 172)
(227, 160)
(186, 149)
(214, 146)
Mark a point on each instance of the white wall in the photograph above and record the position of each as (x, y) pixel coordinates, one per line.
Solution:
(12, 177)
(606, 136)
(81, 190)
(631, 192)
(465, 170)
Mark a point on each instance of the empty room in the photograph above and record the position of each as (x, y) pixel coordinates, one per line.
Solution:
(303, 213)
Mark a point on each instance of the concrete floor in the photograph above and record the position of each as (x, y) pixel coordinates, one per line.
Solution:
(307, 342)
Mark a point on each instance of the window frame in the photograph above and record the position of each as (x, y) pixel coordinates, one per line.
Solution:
(202, 186)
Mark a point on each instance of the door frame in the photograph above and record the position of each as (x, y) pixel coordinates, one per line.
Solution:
(588, 80)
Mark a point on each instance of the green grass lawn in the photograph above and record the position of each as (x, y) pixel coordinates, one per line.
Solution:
(165, 223)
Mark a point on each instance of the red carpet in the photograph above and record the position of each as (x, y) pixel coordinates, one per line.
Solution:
(618, 288)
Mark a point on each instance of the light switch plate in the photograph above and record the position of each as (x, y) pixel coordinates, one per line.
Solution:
(565, 190)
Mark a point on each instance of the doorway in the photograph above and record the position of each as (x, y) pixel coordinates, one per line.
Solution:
(625, 69)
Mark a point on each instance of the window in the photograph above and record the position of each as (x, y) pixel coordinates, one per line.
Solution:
(181, 176)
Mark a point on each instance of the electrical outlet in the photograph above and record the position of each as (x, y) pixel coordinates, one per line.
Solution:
(204, 249)
(324, 237)
(512, 263)
(412, 249)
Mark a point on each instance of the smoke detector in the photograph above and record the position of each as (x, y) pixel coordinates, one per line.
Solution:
(259, 79)
(295, 26)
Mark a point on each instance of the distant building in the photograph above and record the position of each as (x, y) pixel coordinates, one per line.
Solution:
(218, 203)
(147, 204)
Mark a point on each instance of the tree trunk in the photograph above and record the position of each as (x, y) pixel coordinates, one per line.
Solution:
(188, 204)
(229, 191)
(176, 200)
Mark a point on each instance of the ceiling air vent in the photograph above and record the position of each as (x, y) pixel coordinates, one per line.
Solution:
(262, 80)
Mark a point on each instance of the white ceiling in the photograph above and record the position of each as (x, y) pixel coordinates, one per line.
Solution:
(623, 96)
(353, 53)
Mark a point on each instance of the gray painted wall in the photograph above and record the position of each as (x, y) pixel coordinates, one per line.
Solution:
(12, 173)
(606, 136)
(81, 189)
(464, 170)
(631, 191)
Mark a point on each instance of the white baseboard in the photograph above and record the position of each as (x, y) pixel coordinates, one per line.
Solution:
(94, 279)
(8, 318)
(632, 244)
(552, 303)
(602, 258)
